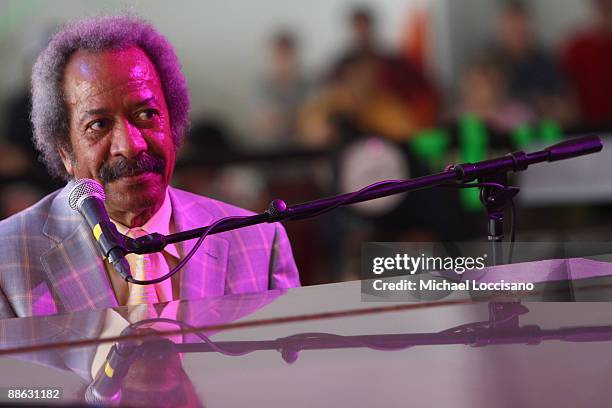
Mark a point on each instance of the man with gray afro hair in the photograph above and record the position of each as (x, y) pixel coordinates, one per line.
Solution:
(110, 103)
(49, 114)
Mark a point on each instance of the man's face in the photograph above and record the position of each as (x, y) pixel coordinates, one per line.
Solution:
(119, 130)
(514, 31)
(361, 26)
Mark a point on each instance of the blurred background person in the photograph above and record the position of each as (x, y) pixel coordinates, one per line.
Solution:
(280, 94)
(533, 74)
(369, 90)
(587, 58)
(484, 93)
(363, 40)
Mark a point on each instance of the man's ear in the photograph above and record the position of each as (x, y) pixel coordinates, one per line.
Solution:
(67, 160)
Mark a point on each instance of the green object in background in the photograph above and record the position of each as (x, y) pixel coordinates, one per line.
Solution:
(546, 132)
(523, 136)
(473, 142)
(431, 145)
(550, 132)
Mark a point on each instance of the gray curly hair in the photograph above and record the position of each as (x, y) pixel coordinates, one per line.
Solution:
(49, 113)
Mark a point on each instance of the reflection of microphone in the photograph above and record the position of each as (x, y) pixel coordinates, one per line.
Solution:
(113, 387)
(87, 197)
(106, 388)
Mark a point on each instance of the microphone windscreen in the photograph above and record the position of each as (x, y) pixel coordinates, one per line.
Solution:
(574, 147)
(82, 189)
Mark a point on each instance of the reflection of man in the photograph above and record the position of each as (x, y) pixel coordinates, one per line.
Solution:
(160, 382)
(110, 103)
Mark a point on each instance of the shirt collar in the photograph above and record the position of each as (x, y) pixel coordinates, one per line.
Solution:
(159, 222)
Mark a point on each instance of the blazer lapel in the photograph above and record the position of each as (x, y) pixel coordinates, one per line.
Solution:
(204, 274)
(74, 265)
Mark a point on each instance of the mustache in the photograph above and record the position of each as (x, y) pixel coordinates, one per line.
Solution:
(123, 167)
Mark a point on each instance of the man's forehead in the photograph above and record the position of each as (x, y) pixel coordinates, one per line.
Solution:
(92, 73)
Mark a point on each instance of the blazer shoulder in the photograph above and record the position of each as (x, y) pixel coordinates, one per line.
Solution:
(32, 219)
(216, 208)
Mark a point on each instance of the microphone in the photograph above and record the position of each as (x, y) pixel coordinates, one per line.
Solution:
(519, 161)
(574, 147)
(87, 197)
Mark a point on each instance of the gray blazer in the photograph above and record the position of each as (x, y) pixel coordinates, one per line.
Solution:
(50, 263)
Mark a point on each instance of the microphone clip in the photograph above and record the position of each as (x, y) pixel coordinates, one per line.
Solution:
(146, 244)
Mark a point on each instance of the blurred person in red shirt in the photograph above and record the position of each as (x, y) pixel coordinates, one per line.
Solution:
(587, 58)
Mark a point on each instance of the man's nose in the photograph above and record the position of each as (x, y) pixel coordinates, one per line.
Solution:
(127, 140)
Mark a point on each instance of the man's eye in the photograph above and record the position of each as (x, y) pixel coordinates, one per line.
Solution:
(98, 125)
(147, 114)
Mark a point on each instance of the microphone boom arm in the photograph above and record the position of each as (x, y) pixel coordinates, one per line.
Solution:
(456, 175)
